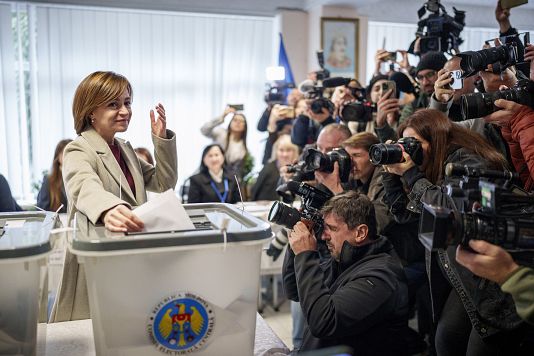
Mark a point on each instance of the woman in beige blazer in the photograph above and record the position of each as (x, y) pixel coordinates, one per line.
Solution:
(103, 177)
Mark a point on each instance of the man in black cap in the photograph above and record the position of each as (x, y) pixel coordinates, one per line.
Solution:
(426, 74)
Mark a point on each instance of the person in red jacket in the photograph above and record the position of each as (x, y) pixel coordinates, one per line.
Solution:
(517, 128)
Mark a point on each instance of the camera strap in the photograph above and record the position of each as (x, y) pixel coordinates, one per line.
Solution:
(222, 197)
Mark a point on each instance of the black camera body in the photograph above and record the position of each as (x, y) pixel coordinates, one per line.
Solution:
(315, 160)
(359, 111)
(313, 200)
(505, 217)
(475, 105)
(442, 30)
(500, 57)
(391, 153)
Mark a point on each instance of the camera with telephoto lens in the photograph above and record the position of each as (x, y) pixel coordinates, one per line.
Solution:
(391, 153)
(313, 160)
(477, 105)
(500, 57)
(442, 30)
(313, 200)
(481, 210)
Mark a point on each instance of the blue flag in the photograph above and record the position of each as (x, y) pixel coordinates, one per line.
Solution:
(283, 61)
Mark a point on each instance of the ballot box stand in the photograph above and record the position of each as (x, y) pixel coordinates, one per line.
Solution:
(24, 248)
(174, 292)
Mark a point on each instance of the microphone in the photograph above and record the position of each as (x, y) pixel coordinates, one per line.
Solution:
(335, 82)
(456, 170)
(306, 86)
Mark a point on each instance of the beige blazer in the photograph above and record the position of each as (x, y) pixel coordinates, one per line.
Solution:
(94, 182)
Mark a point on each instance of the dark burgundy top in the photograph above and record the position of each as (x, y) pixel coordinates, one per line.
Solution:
(122, 163)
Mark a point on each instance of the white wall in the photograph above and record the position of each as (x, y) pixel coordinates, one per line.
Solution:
(293, 24)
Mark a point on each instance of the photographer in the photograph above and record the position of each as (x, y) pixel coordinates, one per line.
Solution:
(306, 128)
(278, 119)
(446, 99)
(480, 319)
(426, 75)
(495, 264)
(517, 128)
(502, 16)
(233, 139)
(358, 297)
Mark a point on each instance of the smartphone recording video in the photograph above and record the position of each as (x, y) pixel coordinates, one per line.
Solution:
(389, 85)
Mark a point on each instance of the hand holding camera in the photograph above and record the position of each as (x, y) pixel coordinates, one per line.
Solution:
(330, 180)
(503, 117)
(229, 109)
(301, 239)
(387, 108)
(489, 261)
(400, 168)
(442, 87)
(397, 157)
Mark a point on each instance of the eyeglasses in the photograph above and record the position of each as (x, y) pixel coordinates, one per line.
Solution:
(426, 76)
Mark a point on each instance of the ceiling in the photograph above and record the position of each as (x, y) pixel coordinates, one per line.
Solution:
(374, 9)
(252, 7)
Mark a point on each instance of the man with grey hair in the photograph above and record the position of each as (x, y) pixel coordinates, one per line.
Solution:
(359, 296)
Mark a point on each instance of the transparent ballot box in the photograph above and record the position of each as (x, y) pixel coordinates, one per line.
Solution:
(24, 249)
(175, 292)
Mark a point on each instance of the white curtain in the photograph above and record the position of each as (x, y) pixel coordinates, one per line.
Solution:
(399, 36)
(193, 64)
(14, 131)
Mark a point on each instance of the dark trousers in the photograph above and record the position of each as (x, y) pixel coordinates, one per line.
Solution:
(456, 336)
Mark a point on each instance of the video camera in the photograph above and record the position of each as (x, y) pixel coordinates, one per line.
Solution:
(476, 105)
(276, 93)
(314, 89)
(442, 30)
(500, 57)
(313, 200)
(502, 216)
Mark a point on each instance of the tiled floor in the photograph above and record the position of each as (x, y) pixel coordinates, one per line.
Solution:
(280, 322)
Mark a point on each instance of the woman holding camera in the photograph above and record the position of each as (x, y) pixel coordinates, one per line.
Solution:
(479, 319)
(232, 139)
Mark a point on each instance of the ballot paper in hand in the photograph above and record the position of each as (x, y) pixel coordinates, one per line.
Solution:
(164, 213)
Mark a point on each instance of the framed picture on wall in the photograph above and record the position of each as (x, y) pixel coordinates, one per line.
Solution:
(339, 40)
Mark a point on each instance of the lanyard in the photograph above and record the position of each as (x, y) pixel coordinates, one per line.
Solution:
(223, 197)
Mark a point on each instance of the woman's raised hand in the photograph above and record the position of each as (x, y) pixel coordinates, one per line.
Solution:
(159, 126)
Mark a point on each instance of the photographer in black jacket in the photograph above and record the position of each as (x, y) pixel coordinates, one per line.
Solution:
(359, 296)
(479, 319)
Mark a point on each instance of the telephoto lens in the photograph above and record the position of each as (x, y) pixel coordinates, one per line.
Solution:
(283, 214)
(477, 105)
(391, 153)
(383, 153)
